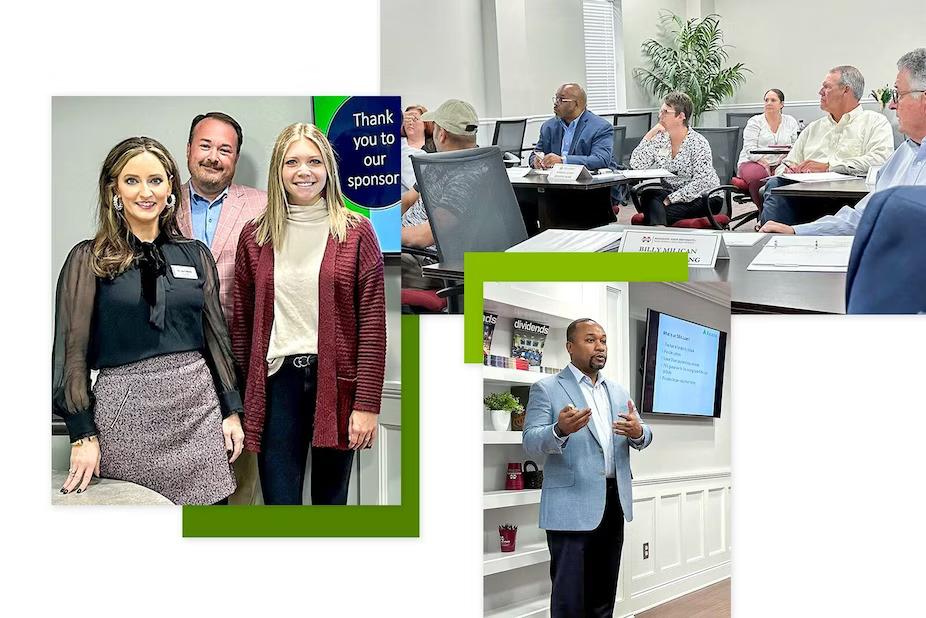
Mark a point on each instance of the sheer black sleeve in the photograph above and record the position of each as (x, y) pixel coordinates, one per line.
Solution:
(218, 352)
(71, 397)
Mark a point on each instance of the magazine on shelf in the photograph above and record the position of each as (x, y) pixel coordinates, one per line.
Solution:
(527, 339)
(488, 328)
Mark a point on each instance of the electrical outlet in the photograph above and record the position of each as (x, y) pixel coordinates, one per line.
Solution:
(646, 551)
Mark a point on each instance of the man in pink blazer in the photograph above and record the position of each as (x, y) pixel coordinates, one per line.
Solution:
(214, 210)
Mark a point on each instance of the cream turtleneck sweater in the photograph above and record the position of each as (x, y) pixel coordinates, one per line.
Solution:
(295, 281)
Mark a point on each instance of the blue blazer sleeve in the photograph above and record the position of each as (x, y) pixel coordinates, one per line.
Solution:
(601, 150)
(538, 439)
(545, 142)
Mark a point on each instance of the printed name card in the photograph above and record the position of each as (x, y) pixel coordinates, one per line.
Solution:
(703, 248)
(568, 172)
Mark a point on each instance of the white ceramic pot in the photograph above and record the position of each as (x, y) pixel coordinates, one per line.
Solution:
(501, 419)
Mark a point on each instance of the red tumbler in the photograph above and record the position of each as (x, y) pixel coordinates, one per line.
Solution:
(515, 477)
(506, 538)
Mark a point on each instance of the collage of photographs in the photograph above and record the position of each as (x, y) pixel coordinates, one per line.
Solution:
(241, 285)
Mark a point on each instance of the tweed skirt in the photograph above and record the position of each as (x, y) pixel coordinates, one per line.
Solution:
(160, 426)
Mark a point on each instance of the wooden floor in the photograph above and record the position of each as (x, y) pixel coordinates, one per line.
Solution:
(710, 602)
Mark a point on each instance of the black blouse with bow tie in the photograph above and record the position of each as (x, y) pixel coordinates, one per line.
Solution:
(166, 302)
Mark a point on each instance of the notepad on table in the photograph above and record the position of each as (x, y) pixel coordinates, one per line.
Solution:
(805, 254)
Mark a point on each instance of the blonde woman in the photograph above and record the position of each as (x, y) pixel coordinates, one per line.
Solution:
(141, 304)
(309, 326)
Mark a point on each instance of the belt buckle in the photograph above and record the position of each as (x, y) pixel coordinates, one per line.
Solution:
(301, 361)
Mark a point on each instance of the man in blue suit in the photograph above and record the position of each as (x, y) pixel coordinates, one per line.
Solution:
(584, 425)
(574, 135)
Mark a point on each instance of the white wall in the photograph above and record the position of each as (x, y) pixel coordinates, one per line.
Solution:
(432, 51)
(818, 36)
(505, 57)
(680, 445)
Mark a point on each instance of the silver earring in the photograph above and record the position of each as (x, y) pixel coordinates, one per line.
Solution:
(117, 202)
(171, 200)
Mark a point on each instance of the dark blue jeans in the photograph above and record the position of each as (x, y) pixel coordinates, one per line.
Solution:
(287, 439)
(793, 210)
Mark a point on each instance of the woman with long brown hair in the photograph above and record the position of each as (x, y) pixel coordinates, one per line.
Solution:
(309, 325)
(141, 304)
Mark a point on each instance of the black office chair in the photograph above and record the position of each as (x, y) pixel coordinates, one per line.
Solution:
(509, 136)
(470, 203)
(739, 119)
(741, 195)
(620, 138)
(636, 126)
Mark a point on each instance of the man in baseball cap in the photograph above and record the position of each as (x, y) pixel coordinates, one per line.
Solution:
(458, 121)
(455, 126)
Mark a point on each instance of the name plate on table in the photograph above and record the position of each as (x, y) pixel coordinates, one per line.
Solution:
(568, 172)
(703, 248)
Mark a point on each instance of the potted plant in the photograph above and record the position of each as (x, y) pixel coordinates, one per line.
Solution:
(882, 96)
(690, 60)
(507, 534)
(500, 406)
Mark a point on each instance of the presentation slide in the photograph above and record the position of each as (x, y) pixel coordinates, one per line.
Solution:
(686, 367)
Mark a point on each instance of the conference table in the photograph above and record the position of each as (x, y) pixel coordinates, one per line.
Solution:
(854, 189)
(751, 292)
(575, 204)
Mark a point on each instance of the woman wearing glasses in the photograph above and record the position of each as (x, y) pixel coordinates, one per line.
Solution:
(672, 145)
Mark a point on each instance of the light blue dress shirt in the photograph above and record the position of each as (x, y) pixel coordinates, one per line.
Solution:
(598, 399)
(569, 131)
(204, 215)
(907, 166)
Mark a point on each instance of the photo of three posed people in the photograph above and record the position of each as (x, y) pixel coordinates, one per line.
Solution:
(233, 330)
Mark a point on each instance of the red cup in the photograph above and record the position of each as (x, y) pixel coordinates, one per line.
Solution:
(506, 539)
(514, 479)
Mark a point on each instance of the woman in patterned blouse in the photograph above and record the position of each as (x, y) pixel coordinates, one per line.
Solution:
(672, 145)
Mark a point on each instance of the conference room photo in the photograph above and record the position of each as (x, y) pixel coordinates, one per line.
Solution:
(226, 278)
(790, 167)
(606, 449)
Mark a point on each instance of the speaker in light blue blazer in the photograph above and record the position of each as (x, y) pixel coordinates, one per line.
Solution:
(573, 493)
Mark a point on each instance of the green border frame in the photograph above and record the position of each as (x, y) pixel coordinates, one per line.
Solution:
(334, 521)
(481, 267)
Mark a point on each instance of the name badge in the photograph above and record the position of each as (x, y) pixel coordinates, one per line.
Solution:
(703, 248)
(183, 272)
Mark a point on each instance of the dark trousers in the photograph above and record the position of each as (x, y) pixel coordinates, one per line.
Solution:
(657, 213)
(584, 565)
(288, 436)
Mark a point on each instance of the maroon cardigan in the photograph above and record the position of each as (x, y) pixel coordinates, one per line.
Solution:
(351, 331)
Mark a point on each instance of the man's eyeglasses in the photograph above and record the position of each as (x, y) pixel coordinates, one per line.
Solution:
(664, 111)
(897, 96)
(559, 99)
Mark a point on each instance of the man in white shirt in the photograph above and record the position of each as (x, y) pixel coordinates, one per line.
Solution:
(584, 425)
(847, 140)
(907, 166)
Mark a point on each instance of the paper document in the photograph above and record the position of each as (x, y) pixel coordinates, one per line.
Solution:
(828, 254)
(818, 177)
(654, 173)
(517, 172)
(742, 239)
(570, 241)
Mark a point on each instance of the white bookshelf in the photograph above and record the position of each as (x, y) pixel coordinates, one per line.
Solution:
(501, 437)
(506, 497)
(499, 562)
(511, 377)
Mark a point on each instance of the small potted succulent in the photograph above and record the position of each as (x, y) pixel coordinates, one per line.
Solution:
(501, 406)
(507, 533)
